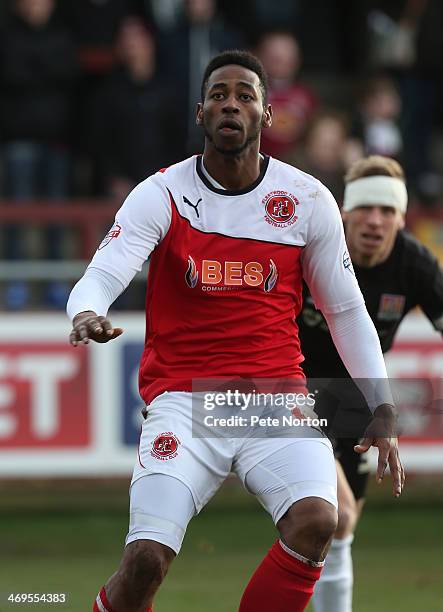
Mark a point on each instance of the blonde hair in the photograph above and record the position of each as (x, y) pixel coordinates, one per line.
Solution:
(374, 165)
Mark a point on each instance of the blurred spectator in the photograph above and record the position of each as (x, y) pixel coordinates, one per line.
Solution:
(37, 71)
(3, 12)
(408, 33)
(393, 27)
(333, 36)
(94, 25)
(275, 15)
(135, 122)
(377, 123)
(293, 103)
(165, 14)
(186, 51)
(426, 106)
(327, 151)
(392, 42)
(259, 16)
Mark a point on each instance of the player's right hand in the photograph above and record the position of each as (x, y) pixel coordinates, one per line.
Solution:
(382, 433)
(90, 326)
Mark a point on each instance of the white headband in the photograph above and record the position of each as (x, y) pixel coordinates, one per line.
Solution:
(376, 191)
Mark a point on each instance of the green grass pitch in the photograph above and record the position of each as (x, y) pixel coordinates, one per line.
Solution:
(67, 537)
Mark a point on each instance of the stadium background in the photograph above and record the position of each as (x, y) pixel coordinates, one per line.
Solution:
(371, 78)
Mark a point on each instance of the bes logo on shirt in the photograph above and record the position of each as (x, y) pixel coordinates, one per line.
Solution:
(228, 275)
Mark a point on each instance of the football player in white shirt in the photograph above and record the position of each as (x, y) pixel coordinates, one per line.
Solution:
(231, 235)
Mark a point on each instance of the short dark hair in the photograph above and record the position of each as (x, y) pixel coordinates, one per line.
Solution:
(240, 58)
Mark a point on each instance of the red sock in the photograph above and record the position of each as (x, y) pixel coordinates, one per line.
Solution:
(101, 604)
(280, 583)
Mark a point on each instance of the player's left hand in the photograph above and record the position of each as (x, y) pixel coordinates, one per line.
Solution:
(382, 434)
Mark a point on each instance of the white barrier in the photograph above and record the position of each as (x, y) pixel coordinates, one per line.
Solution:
(76, 411)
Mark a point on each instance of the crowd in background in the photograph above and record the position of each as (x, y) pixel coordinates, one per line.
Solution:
(95, 95)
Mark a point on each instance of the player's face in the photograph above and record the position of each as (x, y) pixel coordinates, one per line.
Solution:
(371, 233)
(232, 113)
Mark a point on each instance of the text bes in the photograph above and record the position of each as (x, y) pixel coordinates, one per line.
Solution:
(232, 273)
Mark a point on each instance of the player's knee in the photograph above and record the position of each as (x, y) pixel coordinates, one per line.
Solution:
(146, 562)
(321, 524)
(347, 517)
(309, 525)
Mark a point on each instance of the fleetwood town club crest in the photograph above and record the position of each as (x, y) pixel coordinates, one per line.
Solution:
(114, 232)
(165, 446)
(280, 208)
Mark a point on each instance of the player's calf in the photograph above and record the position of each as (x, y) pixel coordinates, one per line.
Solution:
(348, 510)
(286, 577)
(142, 570)
(333, 591)
(347, 518)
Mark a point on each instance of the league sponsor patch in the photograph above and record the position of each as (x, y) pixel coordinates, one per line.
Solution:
(280, 208)
(165, 446)
(391, 307)
(347, 263)
(114, 232)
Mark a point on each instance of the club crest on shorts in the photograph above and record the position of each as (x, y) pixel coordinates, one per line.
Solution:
(280, 208)
(165, 446)
(114, 232)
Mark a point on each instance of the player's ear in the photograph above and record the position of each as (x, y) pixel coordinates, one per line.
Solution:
(199, 115)
(267, 116)
(401, 221)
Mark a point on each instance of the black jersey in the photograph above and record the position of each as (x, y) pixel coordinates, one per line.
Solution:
(411, 276)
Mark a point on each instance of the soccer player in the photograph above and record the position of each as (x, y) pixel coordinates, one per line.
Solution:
(395, 273)
(230, 235)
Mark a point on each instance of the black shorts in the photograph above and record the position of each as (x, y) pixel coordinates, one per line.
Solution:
(343, 406)
(355, 465)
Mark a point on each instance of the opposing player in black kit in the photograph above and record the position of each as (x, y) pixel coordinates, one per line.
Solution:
(395, 273)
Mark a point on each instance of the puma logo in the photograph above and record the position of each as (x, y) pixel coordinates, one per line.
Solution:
(194, 206)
